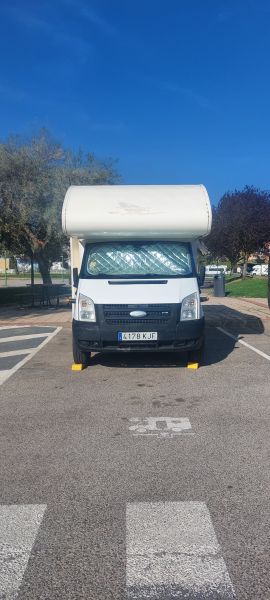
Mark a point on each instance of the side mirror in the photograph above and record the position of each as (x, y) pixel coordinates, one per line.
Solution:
(75, 277)
(201, 275)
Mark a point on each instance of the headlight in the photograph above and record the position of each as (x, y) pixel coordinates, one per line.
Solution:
(190, 308)
(86, 309)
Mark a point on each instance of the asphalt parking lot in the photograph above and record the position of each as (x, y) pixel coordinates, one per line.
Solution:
(136, 478)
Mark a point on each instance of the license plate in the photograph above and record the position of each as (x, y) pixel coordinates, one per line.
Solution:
(137, 336)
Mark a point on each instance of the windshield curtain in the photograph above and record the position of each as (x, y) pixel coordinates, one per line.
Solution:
(138, 259)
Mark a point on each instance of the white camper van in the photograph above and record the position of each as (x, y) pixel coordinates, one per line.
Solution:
(133, 254)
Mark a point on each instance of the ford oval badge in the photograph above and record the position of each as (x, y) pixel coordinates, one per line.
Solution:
(138, 313)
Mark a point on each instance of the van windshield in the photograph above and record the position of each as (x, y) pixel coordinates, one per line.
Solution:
(138, 259)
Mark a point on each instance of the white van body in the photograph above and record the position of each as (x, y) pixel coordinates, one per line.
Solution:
(260, 269)
(211, 270)
(135, 249)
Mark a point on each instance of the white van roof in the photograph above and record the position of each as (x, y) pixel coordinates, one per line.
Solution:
(137, 211)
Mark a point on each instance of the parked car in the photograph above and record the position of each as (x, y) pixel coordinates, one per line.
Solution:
(211, 270)
(57, 267)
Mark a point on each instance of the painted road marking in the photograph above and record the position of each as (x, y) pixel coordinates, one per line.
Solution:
(29, 342)
(9, 363)
(3, 376)
(24, 330)
(173, 552)
(19, 525)
(16, 352)
(19, 338)
(160, 426)
(236, 338)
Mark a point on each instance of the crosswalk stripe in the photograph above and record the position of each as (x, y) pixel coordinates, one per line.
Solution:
(173, 552)
(19, 525)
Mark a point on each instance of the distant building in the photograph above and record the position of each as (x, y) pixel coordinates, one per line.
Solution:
(262, 256)
(4, 264)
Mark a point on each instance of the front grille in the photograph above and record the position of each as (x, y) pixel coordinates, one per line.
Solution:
(119, 314)
(133, 320)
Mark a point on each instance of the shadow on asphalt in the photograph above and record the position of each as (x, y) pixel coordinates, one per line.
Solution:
(217, 345)
(234, 321)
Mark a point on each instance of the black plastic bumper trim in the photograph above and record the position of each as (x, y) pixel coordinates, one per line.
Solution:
(172, 336)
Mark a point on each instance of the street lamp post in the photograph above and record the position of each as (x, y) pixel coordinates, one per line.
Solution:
(5, 269)
(266, 251)
(32, 270)
(269, 276)
(62, 268)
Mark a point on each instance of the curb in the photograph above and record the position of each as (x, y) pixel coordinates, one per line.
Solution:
(251, 301)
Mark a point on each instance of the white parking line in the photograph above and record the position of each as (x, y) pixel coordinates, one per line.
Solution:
(18, 338)
(5, 374)
(19, 525)
(15, 326)
(16, 352)
(236, 338)
(173, 552)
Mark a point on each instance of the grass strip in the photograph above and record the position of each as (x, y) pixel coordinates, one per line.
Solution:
(248, 288)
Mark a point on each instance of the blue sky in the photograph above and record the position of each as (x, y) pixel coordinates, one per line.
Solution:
(178, 91)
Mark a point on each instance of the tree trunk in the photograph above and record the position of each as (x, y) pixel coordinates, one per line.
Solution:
(233, 267)
(244, 273)
(44, 268)
(32, 269)
(15, 265)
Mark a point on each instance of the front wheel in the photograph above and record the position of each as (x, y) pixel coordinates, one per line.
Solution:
(79, 357)
(197, 356)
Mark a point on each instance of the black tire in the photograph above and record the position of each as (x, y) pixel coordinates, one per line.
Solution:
(79, 357)
(197, 356)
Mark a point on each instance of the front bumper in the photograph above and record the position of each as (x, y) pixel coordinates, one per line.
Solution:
(173, 335)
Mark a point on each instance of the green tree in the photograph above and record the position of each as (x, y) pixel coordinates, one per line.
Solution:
(267, 251)
(241, 225)
(34, 176)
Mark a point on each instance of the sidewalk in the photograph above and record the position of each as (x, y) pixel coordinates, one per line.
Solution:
(35, 316)
(259, 301)
(257, 307)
